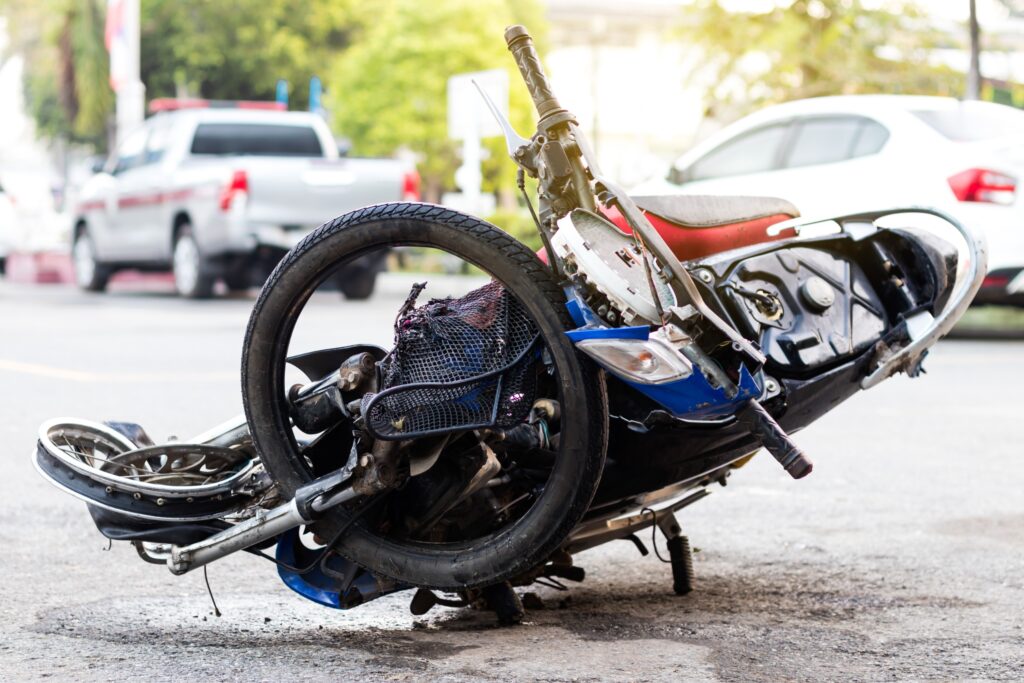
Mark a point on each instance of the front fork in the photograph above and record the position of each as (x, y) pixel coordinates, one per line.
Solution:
(309, 503)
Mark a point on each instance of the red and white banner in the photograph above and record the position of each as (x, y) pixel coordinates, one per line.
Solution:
(116, 37)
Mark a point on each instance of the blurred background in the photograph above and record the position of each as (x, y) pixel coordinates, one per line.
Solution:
(654, 82)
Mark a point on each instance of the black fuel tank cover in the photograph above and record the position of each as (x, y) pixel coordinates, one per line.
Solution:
(809, 307)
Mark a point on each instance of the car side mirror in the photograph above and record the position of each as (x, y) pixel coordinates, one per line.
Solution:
(344, 146)
(97, 165)
(678, 176)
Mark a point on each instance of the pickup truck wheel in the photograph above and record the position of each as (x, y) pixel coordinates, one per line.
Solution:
(357, 287)
(240, 281)
(90, 275)
(192, 277)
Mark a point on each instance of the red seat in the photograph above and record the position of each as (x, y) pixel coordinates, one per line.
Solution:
(695, 226)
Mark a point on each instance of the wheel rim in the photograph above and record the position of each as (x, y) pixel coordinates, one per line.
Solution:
(186, 264)
(170, 482)
(85, 264)
(265, 407)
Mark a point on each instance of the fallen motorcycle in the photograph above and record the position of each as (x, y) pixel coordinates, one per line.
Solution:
(577, 397)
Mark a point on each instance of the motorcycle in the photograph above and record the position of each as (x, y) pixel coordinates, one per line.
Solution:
(581, 395)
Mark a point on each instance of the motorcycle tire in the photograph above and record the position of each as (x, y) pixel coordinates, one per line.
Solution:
(520, 545)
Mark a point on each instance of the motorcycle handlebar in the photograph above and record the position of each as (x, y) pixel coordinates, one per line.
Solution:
(520, 44)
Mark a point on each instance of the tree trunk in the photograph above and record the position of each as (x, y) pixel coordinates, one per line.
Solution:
(974, 71)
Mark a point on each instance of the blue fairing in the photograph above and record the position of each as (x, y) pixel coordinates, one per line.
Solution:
(639, 332)
(692, 397)
(320, 587)
(695, 398)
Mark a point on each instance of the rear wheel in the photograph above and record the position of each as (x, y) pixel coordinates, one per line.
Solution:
(534, 519)
(238, 279)
(192, 276)
(90, 275)
(357, 286)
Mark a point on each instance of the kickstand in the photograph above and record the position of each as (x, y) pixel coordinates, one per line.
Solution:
(504, 602)
(679, 553)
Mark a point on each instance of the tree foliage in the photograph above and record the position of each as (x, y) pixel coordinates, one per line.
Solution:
(810, 48)
(199, 48)
(240, 49)
(66, 65)
(390, 88)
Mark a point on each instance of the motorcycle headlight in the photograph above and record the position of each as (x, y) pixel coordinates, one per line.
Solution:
(644, 361)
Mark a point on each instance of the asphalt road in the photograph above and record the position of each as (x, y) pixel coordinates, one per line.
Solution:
(901, 557)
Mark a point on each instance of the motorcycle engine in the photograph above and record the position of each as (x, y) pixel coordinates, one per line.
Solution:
(809, 307)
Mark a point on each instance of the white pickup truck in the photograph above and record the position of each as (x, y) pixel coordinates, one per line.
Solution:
(221, 194)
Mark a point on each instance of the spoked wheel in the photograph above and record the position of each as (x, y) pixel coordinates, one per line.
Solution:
(473, 504)
(171, 482)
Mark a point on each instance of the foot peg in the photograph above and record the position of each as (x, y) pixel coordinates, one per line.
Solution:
(775, 440)
(424, 600)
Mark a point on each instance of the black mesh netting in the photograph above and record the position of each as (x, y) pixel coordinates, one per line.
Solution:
(457, 364)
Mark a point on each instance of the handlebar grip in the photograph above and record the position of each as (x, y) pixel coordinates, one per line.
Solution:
(520, 44)
(775, 440)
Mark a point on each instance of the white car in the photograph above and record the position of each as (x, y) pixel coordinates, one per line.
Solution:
(7, 228)
(834, 155)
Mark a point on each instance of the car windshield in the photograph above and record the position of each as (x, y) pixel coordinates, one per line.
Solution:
(974, 121)
(256, 139)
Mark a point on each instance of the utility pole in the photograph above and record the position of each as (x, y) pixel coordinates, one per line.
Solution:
(974, 71)
(123, 43)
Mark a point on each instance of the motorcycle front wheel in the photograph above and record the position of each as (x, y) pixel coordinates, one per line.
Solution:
(555, 504)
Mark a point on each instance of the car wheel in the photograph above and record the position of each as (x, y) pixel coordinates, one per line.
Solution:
(90, 275)
(239, 281)
(357, 286)
(192, 277)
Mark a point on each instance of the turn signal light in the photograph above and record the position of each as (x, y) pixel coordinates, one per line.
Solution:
(642, 361)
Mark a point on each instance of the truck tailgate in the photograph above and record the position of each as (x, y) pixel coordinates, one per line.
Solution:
(303, 192)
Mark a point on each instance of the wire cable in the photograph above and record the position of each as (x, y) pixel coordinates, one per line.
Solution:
(654, 537)
(209, 591)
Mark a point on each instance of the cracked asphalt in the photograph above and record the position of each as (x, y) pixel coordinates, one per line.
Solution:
(900, 558)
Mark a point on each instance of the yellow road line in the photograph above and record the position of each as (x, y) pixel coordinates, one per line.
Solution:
(69, 375)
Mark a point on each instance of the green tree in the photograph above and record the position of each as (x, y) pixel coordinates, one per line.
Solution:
(810, 48)
(66, 65)
(390, 89)
(200, 48)
(239, 49)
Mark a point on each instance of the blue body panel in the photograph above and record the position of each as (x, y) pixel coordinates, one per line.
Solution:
(321, 588)
(690, 398)
(695, 398)
(640, 332)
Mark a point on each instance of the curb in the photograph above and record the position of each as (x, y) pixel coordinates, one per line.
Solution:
(49, 267)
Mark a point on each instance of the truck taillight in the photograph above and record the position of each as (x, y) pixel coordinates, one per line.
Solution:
(411, 186)
(983, 185)
(239, 185)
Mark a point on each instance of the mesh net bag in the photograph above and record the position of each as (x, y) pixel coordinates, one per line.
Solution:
(457, 364)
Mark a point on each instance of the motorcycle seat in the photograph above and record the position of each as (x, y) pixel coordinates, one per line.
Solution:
(695, 226)
(707, 211)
